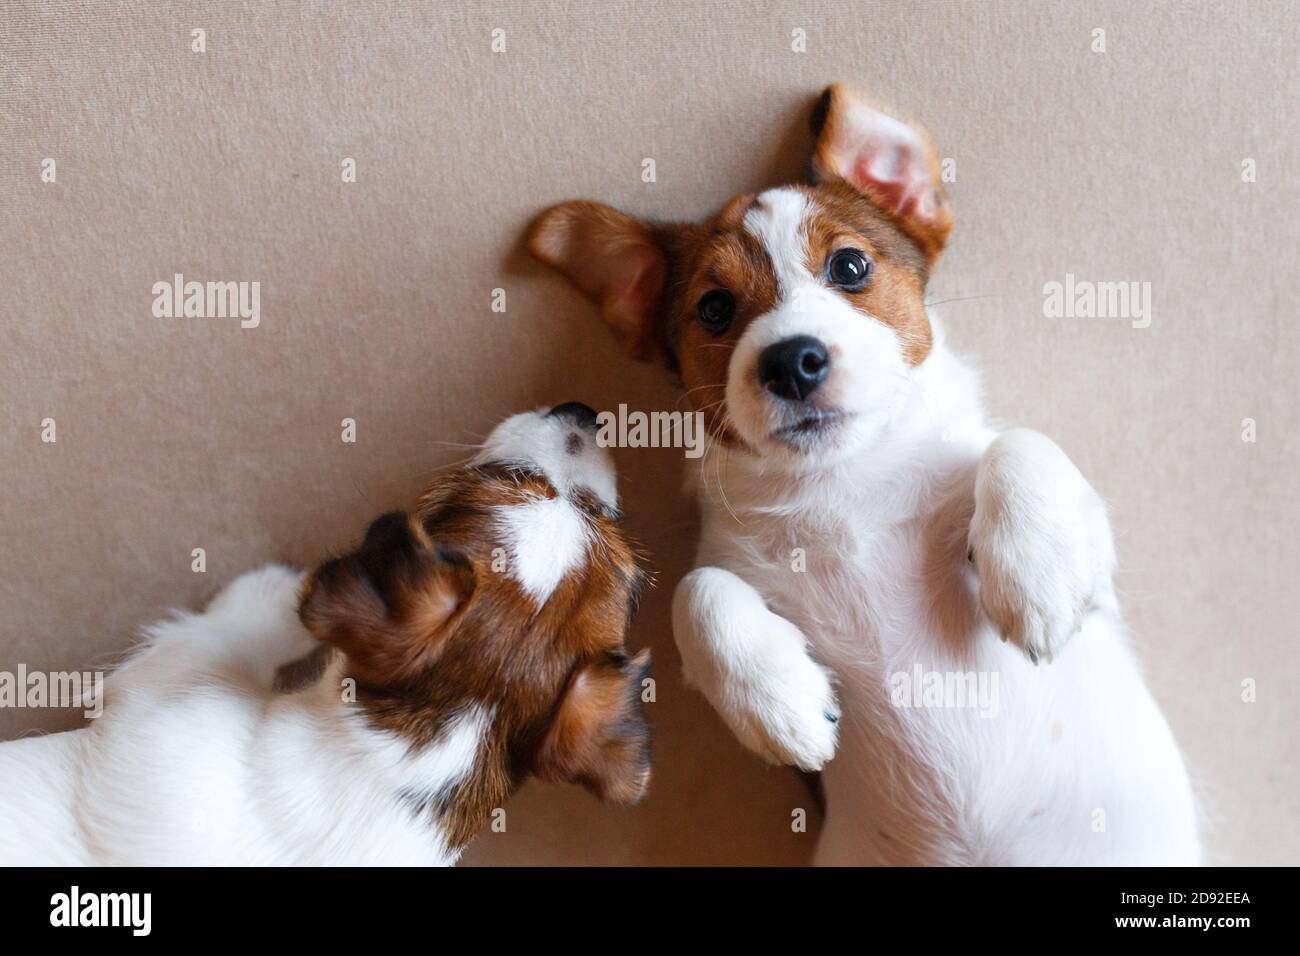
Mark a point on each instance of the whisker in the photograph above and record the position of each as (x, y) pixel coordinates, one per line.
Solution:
(722, 491)
(700, 387)
(965, 298)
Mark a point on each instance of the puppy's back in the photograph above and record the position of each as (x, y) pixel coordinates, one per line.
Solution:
(37, 780)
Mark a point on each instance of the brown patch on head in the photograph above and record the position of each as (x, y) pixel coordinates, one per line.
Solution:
(722, 256)
(429, 629)
(841, 218)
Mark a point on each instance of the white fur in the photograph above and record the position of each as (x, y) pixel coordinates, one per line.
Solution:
(855, 543)
(196, 761)
(542, 442)
(777, 221)
(776, 698)
(546, 539)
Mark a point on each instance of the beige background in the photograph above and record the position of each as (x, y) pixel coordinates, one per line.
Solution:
(175, 434)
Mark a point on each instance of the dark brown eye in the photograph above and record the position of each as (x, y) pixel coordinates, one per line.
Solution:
(849, 269)
(716, 310)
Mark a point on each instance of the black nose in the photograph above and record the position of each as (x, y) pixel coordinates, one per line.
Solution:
(584, 416)
(794, 367)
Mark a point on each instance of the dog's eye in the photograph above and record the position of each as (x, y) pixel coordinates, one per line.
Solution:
(849, 269)
(717, 309)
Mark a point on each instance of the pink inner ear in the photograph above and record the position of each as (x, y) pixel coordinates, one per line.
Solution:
(887, 158)
(899, 179)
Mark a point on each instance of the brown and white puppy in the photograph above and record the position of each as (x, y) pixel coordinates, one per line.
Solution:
(685, 294)
(867, 536)
(462, 647)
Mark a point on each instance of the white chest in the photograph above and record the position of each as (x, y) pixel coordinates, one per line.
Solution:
(865, 595)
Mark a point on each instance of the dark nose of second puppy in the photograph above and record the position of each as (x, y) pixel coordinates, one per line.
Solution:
(794, 367)
(584, 416)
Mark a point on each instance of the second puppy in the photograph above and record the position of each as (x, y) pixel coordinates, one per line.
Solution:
(461, 649)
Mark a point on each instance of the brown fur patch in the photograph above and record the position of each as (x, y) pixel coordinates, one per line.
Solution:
(303, 672)
(444, 650)
(723, 256)
(589, 736)
(388, 604)
(896, 293)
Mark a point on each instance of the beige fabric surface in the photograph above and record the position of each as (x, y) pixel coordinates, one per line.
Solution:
(175, 434)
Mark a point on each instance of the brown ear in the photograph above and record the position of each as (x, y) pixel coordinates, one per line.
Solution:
(618, 262)
(388, 603)
(890, 162)
(599, 736)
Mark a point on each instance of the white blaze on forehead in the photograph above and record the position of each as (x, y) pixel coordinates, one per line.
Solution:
(777, 220)
(545, 540)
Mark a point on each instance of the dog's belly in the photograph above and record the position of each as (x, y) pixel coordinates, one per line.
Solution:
(954, 749)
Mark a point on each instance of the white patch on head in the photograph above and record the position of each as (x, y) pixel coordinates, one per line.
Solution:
(543, 442)
(546, 539)
(777, 220)
(868, 372)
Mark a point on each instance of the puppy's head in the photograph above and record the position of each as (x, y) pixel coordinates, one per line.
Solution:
(794, 316)
(507, 592)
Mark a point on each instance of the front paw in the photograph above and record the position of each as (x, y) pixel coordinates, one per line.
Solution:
(755, 669)
(1035, 609)
(1030, 543)
(783, 707)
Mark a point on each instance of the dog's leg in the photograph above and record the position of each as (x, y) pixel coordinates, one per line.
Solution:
(248, 630)
(1040, 542)
(257, 621)
(754, 668)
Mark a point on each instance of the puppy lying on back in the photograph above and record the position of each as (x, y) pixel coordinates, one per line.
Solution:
(462, 648)
(866, 534)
